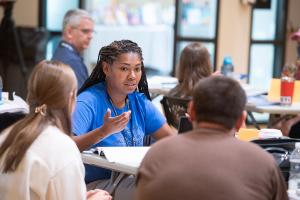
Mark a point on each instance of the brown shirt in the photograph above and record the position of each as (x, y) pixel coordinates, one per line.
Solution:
(210, 165)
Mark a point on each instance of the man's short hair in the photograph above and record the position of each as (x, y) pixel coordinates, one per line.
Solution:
(73, 17)
(218, 99)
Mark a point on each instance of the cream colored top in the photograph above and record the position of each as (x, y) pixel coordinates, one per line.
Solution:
(51, 169)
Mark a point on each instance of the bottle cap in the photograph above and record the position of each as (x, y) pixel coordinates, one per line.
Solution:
(227, 60)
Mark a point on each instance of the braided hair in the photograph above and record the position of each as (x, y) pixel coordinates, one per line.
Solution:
(109, 54)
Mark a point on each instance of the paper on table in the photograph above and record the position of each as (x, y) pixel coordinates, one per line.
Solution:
(132, 156)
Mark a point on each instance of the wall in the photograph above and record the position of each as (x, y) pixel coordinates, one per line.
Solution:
(25, 13)
(293, 24)
(234, 33)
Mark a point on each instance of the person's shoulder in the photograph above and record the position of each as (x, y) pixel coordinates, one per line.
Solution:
(168, 145)
(65, 55)
(92, 93)
(138, 95)
(54, 149)
(253, 150)
(138, 98)
(53, 136)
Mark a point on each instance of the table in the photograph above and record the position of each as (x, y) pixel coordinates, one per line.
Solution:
(13, 106)
(294, 109)
(100, 161)
(161, 85)
(123, 161)
(11, 110)
(275, 109)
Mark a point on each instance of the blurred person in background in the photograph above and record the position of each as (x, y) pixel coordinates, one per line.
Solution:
(78, 28)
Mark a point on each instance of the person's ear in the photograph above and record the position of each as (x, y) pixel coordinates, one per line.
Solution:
(240, 123)
(72, 100)
(105, 68)
(69, 32)
(191, 111)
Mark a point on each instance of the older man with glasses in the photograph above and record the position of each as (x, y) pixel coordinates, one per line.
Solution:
(78, 29)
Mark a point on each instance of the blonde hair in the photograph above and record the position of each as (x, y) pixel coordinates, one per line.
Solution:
(50, 87)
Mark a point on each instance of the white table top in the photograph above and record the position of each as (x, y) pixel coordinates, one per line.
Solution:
(121, 159)
(275, 109)
(161, 84)
(17, 105)
(100, 161)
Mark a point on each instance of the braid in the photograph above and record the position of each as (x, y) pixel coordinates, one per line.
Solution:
(143, 84)
(109, 54)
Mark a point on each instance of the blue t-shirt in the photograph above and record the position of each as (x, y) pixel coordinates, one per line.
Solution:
(67, 54)
(92, 104)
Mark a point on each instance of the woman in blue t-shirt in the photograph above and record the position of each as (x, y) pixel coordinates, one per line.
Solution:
(113, 106)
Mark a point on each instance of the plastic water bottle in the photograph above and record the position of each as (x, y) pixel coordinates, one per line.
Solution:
(227, 67)
(294, 179)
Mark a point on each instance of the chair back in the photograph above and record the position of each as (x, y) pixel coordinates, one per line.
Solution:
(174, 108)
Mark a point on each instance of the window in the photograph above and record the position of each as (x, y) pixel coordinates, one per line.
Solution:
(267, 46)
(196, 22)
(267, 43)
(149, 23)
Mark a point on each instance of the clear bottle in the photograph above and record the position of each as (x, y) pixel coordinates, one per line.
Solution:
(294, 179)
(227, 67)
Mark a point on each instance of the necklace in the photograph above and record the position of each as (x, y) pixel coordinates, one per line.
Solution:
(113, 106)
(126, 132)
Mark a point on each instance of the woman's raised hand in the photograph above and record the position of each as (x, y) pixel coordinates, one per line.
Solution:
(116, 124)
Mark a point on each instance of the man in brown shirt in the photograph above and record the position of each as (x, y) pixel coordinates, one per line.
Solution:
(209, 162)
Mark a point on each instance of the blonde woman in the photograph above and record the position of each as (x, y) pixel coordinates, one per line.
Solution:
(38, 159)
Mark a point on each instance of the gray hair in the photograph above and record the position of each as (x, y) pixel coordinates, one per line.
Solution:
(73, 17)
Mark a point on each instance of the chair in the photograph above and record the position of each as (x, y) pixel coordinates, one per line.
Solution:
(174, 108)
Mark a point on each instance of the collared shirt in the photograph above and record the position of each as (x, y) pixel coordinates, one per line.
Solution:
(67, 54)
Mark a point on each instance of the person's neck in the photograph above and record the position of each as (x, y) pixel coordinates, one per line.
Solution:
(210, 125)
(117, 100)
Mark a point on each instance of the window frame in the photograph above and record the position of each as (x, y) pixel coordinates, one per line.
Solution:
(178, 38)
(279, 42)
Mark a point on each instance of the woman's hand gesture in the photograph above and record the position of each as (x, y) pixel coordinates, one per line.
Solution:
(116, 124)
